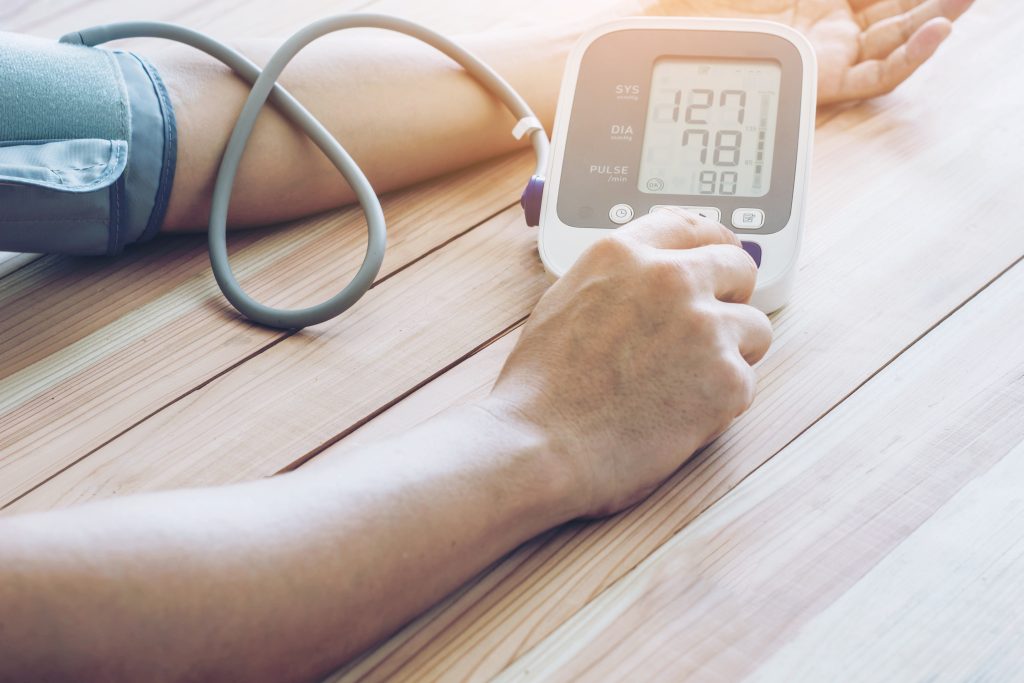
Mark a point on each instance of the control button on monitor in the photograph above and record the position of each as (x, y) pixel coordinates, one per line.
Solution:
(754, 250)
(747, 218)
(621, 213)
(708, 212)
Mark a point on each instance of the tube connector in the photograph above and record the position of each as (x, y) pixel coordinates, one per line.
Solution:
(531, 200)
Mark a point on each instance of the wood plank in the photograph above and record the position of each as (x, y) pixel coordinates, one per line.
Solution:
(10, 261)
(946, 605)
(468, 381)
(813, 527)
(81, 335)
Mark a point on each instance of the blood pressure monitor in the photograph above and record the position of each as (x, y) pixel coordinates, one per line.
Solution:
(713, 115)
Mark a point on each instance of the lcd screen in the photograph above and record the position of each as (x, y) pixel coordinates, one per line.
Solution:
(710, 127)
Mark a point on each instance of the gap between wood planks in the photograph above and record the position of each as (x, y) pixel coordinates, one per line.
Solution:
(883, 367)
(401, 397)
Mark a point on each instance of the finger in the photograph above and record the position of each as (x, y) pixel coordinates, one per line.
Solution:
(863, 5)
(882, 38)
(880, 76)
(727, 270)
(674, 228)
(753, 331)
(872, 12)
(885, 9)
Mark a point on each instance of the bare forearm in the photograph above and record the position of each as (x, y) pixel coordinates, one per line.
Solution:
(273, 580)
(404, 111)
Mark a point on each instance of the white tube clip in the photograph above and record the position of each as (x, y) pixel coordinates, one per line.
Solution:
(526, 126)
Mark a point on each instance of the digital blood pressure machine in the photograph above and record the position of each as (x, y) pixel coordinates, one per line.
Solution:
(716, 116)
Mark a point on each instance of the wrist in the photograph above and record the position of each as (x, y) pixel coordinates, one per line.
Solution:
(538, 464)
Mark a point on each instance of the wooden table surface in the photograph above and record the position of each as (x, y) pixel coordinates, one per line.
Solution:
(864, 521)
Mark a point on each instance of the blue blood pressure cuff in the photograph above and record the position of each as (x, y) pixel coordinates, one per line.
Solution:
(87, 148)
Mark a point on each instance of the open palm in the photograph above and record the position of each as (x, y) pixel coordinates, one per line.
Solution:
(865, 48)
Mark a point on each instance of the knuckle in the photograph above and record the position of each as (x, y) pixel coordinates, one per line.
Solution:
(613, 248)
(691, 223)
(735, 258)
(665, 274)
(747, 267)
(728, 236)
(677, 275)
(907, 25)
(725, 264)
(764, 322)
(704, 324)
(763, 326)
(685, 218)
(885, 79)
(738, 381)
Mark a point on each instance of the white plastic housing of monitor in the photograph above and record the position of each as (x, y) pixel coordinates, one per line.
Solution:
(560, 244)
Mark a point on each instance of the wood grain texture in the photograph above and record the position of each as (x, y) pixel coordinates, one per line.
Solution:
(847, 552)
(944, 605)
(10, 262)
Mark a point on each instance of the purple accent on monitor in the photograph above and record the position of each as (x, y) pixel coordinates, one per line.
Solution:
(531, 199)
(754, 250)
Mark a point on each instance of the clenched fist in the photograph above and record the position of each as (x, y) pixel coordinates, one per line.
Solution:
(639, 355)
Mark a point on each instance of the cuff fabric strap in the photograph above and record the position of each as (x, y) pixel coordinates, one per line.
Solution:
(87, 148)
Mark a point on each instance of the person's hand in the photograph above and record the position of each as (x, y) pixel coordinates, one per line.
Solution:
(865, 48)
(639, 355)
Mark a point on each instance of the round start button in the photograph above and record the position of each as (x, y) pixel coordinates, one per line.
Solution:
(621, 213)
